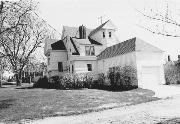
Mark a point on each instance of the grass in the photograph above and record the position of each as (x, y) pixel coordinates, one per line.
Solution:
(23, 103)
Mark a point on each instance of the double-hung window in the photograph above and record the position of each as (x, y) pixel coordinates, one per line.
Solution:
(90, 51)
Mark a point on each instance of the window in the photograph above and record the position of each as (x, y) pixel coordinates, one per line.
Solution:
(103, 34)
(60, 66)
(48, 61)
(109, 34)
(87, 50)
(89, 67)
(90, 51)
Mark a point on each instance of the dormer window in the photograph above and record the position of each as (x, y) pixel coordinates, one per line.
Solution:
(103, 34)
(110, 34)
(90, 51)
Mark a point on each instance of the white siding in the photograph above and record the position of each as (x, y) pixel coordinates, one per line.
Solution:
(55, 57)
(81, 66)
(98, 36)
(149, 59)
(128, 59)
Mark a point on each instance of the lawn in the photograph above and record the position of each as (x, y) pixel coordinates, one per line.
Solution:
(22, 103)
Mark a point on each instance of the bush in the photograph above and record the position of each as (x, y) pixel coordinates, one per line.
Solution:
(70, 81)
(41, 82)
(123, 78)
(172, 73)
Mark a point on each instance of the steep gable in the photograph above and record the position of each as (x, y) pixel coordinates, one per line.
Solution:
(106, 25)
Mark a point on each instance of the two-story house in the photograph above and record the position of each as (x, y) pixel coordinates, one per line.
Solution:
(97, 50)
(78, 48)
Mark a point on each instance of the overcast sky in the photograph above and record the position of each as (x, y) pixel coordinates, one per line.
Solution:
(122, 13)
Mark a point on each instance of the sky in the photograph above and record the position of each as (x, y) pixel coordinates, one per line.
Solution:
(121, 12)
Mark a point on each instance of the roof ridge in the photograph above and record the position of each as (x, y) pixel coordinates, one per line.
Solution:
(98, 28)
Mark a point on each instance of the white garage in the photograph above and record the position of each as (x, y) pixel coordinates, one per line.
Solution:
(150, 76)
(146, 58)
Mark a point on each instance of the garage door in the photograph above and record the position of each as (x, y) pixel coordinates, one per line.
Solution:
(150, 76)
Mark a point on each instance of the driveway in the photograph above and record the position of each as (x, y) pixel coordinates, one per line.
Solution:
(148, 113)
(163, 91)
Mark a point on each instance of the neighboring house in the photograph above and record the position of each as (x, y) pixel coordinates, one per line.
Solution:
(85, 50)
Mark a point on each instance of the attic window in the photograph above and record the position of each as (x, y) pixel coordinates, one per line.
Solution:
(103, 34)
(109, 34)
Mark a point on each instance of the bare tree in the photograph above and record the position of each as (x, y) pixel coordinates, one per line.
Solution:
(21, 33)
(164, 20)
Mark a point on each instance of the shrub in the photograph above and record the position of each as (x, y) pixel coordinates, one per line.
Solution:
(172, 73)
(100, 82)
(123, 77)
(72, 81)
(42, 82)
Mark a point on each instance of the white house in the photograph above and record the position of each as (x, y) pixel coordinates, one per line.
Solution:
(97, 50)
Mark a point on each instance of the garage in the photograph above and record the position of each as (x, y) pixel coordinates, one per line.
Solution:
(150, 76)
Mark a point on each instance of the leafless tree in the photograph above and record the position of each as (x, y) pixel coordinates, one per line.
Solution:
(162, 20)
(21, 33)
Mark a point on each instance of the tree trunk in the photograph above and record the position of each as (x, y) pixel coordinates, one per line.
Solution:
(1, 78)
(18, 79)
(0, 83)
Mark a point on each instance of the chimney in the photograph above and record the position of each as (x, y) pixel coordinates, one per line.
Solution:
(82, 32)
(178, 57)
(169, 58)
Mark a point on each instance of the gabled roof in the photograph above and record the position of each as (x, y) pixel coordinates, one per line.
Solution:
(94, 41)
(134, 44)
(75, 47)
(108, 24)
(82, 41)
(59, 45)
(97, 29)
(118, 49)
(73, 31)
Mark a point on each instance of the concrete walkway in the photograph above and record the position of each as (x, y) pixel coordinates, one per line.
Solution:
(146, 113)
(163, 91)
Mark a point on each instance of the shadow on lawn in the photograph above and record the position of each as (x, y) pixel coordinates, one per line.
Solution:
(28, 87)
(107, 88)
(6, 103)
(171, 121)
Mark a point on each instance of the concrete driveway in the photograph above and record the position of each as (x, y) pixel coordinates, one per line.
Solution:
(163, 91)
